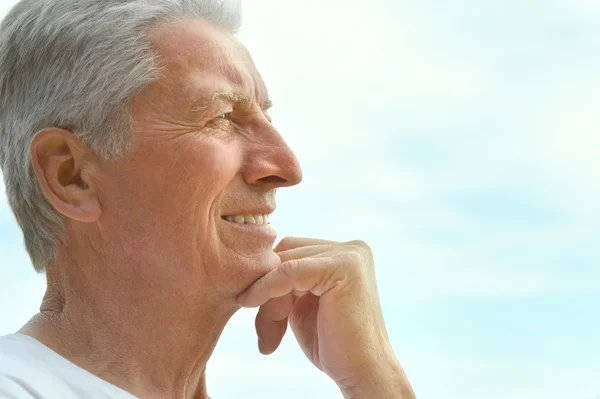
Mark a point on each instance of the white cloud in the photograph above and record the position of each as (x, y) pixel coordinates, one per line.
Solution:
(440, 374)
(350, 57)
(257, 376)
(236, 369)
(391, 57)
(582, 5)
(511, 108)
(21, 294)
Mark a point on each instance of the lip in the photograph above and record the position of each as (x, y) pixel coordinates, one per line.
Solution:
(255, 211)
(266, 231)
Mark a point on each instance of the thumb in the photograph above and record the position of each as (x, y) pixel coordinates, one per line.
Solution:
(271, 322)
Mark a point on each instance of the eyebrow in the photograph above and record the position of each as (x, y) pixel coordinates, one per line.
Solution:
(231, 97)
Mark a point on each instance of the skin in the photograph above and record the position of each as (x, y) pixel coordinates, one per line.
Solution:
(147, 246)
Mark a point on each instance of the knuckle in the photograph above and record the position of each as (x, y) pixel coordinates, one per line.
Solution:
(290, 268)
(358, 256)
(361, 248)
(358, 243)
(351, 259)
(286, 242)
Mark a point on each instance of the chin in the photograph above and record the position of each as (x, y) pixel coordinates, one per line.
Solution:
(250, 269)
(249, 249)
(263, 263)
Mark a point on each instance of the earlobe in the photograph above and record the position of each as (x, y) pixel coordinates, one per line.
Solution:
(64, 168)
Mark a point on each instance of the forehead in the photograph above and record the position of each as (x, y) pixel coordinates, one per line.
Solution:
(199, 53)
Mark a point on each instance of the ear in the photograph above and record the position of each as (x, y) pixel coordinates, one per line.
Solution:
(65, 168)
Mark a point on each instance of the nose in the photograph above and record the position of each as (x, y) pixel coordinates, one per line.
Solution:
(270, 162)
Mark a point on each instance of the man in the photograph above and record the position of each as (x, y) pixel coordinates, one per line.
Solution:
(141, 163)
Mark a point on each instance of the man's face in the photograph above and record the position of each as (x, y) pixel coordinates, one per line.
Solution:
(204, 151)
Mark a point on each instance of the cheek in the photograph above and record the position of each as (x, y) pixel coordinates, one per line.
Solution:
(206, 168)
(158, 205)
(173, 185)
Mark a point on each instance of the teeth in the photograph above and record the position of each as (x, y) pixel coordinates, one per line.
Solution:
(248, 219)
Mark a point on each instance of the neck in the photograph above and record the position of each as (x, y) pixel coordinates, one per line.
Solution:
(152, 343)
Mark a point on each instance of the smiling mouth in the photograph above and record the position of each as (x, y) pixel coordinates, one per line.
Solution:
(248, 219)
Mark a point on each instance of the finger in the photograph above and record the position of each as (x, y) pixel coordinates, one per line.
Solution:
(295, 242)
(303, 320)
(300, 275)
(305, 252)
(271, 323)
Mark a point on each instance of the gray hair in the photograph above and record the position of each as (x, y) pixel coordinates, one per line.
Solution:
(76, 64)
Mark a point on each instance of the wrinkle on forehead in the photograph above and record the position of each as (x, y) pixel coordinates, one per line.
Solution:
(196, 54)
(227, 53)
(177, 41)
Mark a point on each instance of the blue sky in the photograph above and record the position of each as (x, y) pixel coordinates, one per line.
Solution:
(461, 141)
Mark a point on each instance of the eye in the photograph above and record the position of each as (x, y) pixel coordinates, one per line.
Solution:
(225, 116)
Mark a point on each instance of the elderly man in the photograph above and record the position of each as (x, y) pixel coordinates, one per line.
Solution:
(141, 164)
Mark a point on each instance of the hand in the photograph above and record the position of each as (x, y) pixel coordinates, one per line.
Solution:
(327, 291)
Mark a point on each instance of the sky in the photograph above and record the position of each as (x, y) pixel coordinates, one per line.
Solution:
(460, 140)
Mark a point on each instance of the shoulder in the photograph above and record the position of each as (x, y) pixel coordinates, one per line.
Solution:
(19, 354)
(12, 388)
(28, 369)
(22, 370)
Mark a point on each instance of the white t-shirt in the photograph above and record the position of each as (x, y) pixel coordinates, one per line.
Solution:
(29, 369)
